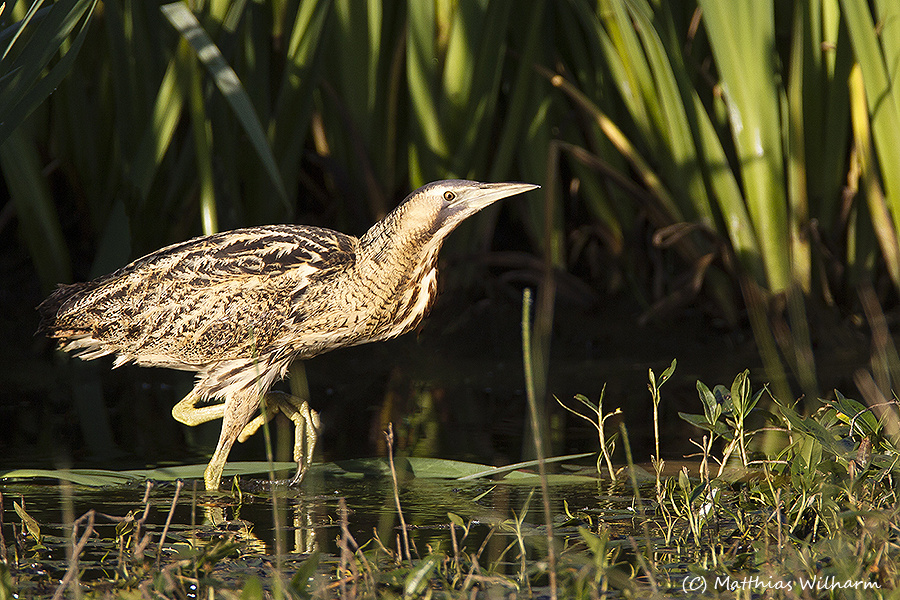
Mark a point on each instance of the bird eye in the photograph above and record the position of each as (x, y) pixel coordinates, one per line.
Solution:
(449, 196)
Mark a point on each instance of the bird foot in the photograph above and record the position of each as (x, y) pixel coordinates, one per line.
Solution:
(306, 428)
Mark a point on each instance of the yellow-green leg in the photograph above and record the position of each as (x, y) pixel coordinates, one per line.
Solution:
(188, 413)
(306, 427)
(235, 413)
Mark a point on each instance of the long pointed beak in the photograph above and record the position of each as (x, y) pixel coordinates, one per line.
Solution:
(472, 199)
(488, 193)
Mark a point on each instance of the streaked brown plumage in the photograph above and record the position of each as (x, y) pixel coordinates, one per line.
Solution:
(238, 307)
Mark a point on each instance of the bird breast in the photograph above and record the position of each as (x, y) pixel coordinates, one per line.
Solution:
(415, 304)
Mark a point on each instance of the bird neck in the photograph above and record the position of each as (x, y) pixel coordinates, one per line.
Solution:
(394, 240)
(395, 272)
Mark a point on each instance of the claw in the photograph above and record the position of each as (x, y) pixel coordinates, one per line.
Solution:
(298, 478)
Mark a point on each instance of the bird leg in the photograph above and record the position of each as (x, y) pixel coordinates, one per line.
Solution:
(237, 411)
(306, 427)
(308, 433)
(187, 411)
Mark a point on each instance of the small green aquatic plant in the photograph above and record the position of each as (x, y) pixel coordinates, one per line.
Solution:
(782, 503)
(597, 417)
(820, 503)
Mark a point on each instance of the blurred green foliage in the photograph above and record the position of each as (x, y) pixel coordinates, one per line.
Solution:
(738, 138)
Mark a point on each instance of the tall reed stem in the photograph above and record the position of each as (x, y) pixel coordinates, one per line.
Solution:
(538, 439)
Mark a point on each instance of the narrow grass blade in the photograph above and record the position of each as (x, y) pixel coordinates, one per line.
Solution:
(521, 95)
(202, 146)
(289, 124)
(876, 60)
(742, 38)
(528, 464)
(470, 80)
(184, 21)
(680, 166)
(158, 134)
(869, 185)
(359, 31)
(827, 58)
(422, 75)
(38, 219)
(25, 85)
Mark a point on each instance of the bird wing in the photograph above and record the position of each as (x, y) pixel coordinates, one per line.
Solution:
(210, 298)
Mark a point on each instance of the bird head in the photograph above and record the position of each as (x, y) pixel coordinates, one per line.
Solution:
(437, 208)
(430, 213)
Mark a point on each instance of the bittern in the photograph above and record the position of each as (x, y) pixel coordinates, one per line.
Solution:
(239, 307)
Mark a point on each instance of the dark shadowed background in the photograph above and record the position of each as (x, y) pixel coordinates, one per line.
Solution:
(720, 184)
